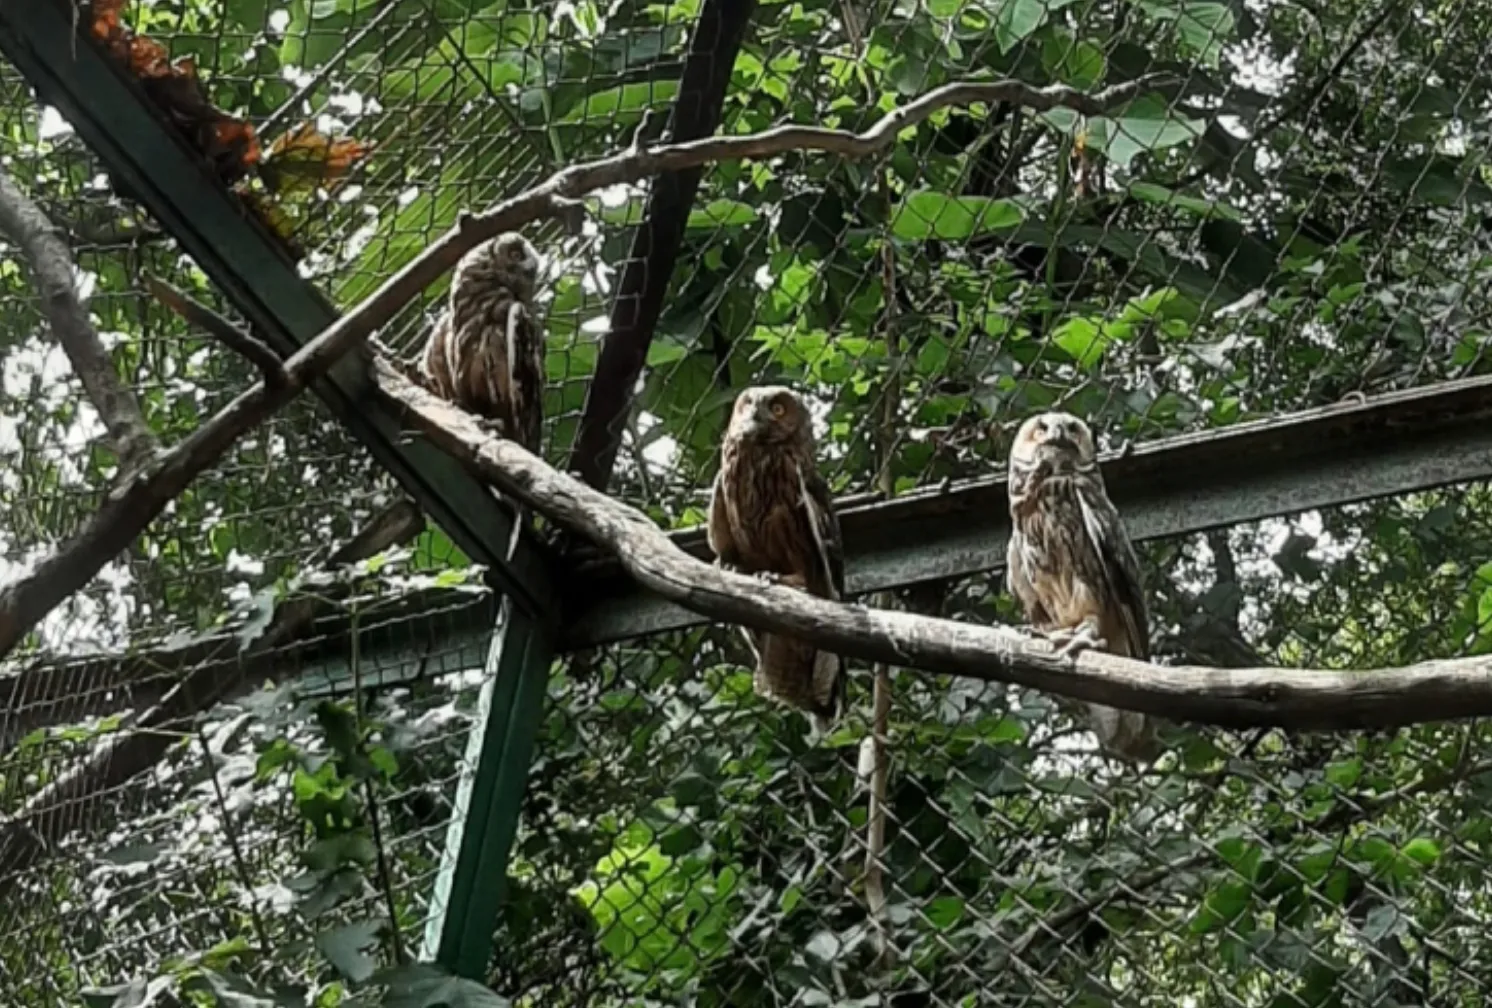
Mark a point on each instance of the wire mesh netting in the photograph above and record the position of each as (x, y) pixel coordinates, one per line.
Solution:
(1293, 217)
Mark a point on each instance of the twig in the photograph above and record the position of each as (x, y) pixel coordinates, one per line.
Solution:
(1304, 699)
(241, 341)
(32, 231)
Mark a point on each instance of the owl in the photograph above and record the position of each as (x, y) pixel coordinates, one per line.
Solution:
(771, 516)
(1071, 566)
(486, 352)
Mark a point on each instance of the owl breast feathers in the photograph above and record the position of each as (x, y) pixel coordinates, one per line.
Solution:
(771, 513)
(1070, 563)
(486, 352)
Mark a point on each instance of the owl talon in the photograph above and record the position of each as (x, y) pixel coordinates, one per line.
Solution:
(1072, 642)
(768, 577)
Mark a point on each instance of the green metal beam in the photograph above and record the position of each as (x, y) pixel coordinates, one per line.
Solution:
(473, 871)
(145, 153)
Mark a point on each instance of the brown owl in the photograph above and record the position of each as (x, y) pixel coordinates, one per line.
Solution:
(486, 353)
(1070, 563)
(771, 516)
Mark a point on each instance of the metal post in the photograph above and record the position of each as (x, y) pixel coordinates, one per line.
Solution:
(469, 889)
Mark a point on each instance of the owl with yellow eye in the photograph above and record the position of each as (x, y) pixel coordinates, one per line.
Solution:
(771, 516)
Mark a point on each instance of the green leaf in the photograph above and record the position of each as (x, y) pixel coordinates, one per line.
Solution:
(614, 104)
(945, 912)
(1146, 125)
(346, 948)
(722, 213)
(1075, 62)
(1083, 339)
(927, 214)
(423, 986)
(1149, 192)
(1222, 905)
(1017, 19)
(1422, 850)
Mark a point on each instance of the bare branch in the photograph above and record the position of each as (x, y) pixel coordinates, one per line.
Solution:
(32, 231)
(1303, 699)
(553, 198)
(241, 341)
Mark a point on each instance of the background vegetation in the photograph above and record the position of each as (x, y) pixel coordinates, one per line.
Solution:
(1299, 220)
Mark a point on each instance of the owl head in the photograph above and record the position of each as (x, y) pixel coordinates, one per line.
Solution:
(509, 260)
(772, 413)
(1057, 442)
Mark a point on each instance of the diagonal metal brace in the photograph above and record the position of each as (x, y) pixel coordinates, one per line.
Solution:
(145, 153)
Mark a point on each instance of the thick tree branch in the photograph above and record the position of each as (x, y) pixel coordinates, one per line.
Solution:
(70, 801)
(31, 230)
(638, 301)
(1292, 698)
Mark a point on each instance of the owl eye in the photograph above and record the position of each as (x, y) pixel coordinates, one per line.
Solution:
(779, 410)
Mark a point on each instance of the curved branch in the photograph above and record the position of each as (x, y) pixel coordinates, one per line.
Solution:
(32, 231)
(1292, 698)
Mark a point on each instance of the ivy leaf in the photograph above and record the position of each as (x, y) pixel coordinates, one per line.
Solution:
(1017, 19)
(927, 214)
(424, 986)
(346, 948)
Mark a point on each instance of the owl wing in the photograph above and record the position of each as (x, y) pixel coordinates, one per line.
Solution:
(435, 361)
(823, 528)
(1121, 569)
(718, 530)
(525, 393)
(1018, 578)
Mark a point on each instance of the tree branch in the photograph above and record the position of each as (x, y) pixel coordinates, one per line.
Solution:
(64, 805)
(32, 231)
(1292, 698)
(638, 302)
(241, 341)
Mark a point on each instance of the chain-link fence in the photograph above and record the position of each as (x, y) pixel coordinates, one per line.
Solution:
(1291, 218)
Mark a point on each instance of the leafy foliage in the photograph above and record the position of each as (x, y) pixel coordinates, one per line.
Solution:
(1300, 219)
